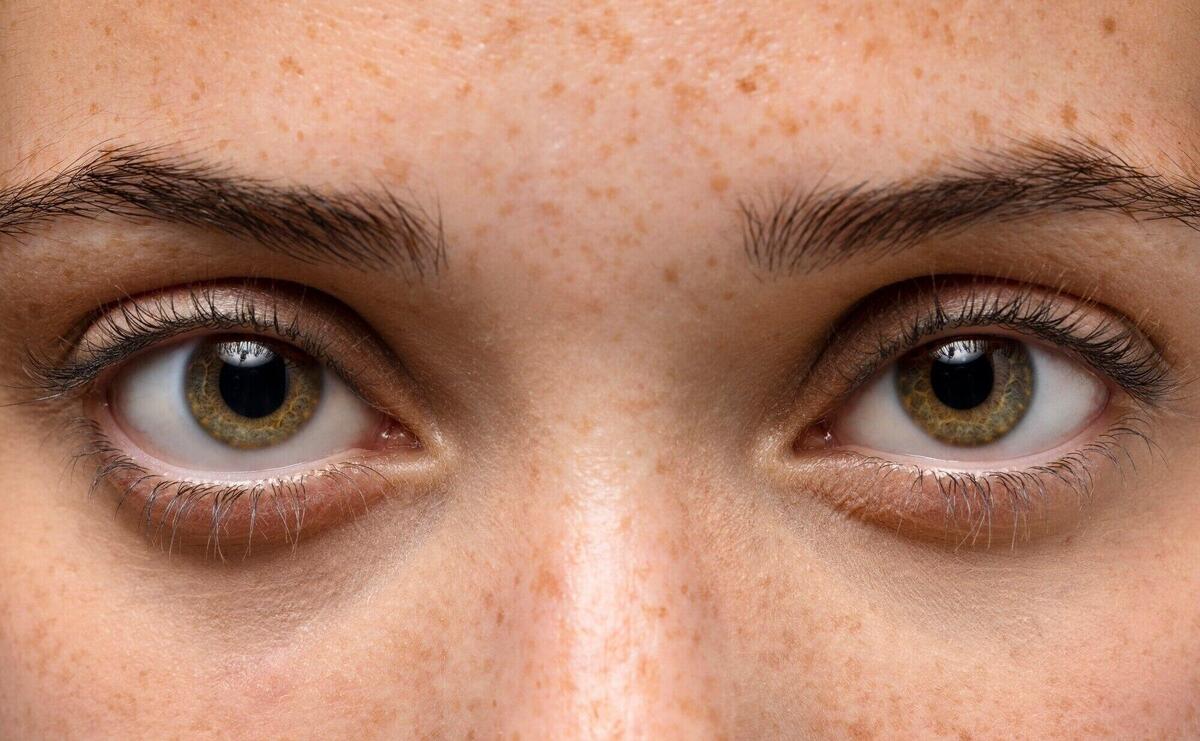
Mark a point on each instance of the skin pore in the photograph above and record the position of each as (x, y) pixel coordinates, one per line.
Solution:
(606, 539)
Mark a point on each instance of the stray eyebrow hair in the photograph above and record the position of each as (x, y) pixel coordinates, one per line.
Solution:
(812, 229)
(361, 229)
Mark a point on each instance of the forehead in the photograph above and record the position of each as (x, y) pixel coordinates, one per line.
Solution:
(535, 108)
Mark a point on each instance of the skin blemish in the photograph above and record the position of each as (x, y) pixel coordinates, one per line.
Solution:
(747, 85)
(981, 124)
(289, 66)
(1069, 114)
(1109, 24)
(873, 47)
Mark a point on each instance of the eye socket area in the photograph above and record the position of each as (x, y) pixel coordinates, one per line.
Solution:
(972, 401)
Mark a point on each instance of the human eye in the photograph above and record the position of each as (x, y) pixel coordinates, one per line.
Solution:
(242, 415)
(973, 412)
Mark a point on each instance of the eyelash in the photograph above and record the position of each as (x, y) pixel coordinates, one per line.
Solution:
(1113, 348)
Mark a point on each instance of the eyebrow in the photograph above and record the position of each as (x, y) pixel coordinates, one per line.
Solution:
(369, 230)
(811, 229)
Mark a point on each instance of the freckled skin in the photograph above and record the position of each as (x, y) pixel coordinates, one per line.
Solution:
(609, 557)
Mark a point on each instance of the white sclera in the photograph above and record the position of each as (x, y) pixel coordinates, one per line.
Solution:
(150, 405)
(1066, 398)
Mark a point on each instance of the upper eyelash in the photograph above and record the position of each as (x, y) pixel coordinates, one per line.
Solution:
(132, 327)
(1112, 347)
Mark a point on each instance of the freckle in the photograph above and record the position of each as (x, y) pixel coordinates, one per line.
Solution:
(947, 34)
(918, 72)
(108, 30)
(310, 31)
(710, 262)
(94, 108)
(670, 275)
(288, 64)
(981, 123)
(556, 89)
(871, 47)
(371, 69)
(1126, 119)
(1069, 116)
(719, 183)
(193, 23)
(1109, 24)
(747, 85)
(454, 39)
(727, 296)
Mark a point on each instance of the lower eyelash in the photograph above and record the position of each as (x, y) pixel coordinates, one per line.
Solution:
(173, 512)
(972, 502)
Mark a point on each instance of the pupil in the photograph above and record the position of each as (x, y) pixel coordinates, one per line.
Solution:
(256, 390)
(962, 385)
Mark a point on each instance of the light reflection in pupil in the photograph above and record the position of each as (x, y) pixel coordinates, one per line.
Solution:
(962, 376)
(253, 379)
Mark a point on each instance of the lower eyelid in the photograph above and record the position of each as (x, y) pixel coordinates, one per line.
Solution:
(229, 518)
(971, 508)
(181, 509)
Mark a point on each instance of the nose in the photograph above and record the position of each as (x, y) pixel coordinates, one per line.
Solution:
(617, 640)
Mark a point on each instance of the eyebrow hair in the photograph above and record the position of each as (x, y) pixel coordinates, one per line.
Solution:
(809, 230)
(361, 229)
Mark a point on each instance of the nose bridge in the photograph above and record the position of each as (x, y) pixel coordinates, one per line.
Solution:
(614, 636)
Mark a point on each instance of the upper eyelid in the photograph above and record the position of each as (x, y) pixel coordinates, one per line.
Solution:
(121, 332)
(880, 329)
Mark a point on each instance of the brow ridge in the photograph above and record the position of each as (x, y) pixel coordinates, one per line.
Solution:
(369, 230)
(810, 229)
